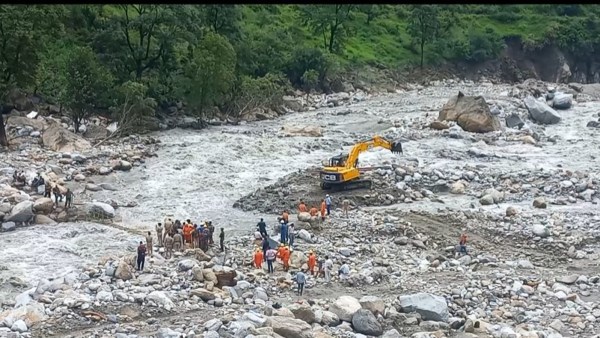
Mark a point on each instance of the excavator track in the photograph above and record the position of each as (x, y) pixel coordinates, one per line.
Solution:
(350, 185)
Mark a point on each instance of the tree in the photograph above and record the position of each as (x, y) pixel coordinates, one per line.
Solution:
(134, 108)
(209, 76)
(310, 80)
(424, 26)
(372, 11)
(88, 84)
(328, 21)
(223, 19)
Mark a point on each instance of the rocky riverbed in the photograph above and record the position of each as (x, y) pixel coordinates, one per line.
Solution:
(525, 193)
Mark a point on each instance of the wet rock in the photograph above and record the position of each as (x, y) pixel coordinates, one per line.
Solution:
(539, 203)
(487, 200)
(528, 140)
(457, 188)
(186, 264)
(92, 187)
(101, 210)
(22, 212)
(161, 299)
(108, 186)
(365, 322)
(197, 274)
(289, 327)
(541, 112)
(330, 319)
(19, 326)
(345, 307)
(204, 294)
(213, 324)
(430, 307)
(593, 124)
(104, 170)
(570, 279)
(42, 219)
(167, 333)
(471, 113)
(562, 101)
(304, 217)
(121, 165)
(514, 121)
(393, 333)
(31, 313)
(9, 226)
(124, 271)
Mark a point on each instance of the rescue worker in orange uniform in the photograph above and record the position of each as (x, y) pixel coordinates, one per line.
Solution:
(187, 232)
(258, 259)
(314, 212)
(285, 257)
(302, 207)
(280, 252)
(312, 262)
(285, 216)
(463, 243)
(323, 209)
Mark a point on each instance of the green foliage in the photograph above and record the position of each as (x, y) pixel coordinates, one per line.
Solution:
(209, 76)
(252, 93)
(328, 21)
(310, 80)
(87, 84)
(134, 108)
(424, 26)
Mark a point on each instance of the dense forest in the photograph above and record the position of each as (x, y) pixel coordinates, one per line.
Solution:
(128, 60)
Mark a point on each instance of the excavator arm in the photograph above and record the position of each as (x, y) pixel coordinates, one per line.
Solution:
(377, 141)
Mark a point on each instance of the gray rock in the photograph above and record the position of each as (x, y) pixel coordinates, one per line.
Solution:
(22, 212)
(213, 324)
(571, 279)
(541, 112)
(108, 186)
(513, 121)
(186, 264)
(345, 307)
(104, 170)
(430, 307)
(290, 327)
(303, 312)
(393, 333)
(167, 333)
(562, 101)
(92, 187)
(101, 210)
(373, 304)
(330, 319)
(540, 203)
(19, 326)
(487, 200)
(8, 226)
(365, 322)
(540, 230)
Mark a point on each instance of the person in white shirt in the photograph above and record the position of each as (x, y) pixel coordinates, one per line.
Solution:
(327, 267)
(344, 272)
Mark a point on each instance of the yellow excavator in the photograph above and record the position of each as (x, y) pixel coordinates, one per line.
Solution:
(341, 172)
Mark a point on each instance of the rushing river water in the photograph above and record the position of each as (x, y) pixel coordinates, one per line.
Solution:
(200, 174)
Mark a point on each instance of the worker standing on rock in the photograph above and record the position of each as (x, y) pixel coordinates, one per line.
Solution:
(265, 247)
(291, 234)
(187, 233)
(302, 207)
(159, 234)
(312, 261)
(323, 210)
(168, 228)
(222, 239)
(327, 267)
(344, 272)
(283, 231)
(314, 211)
(285, 216)
(462, 243)
(68, 198)
(285, 257)
(57, 194)
(345, 207)
(47, 190)
(211, 232)
(149, 243)
(195, 237)
(168, 245)
(279, 252)
(177, 242)
(258, 258)
(271, 254)
(328, 204)
(262, 227)
(300, 279)
(141, 256)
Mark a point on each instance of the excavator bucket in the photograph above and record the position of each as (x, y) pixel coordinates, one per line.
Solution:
(396, 147)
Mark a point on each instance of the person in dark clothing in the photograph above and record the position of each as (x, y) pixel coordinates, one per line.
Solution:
(37, 181)
(222, 239)
(57, 194)
(47, 190)
(265, 247)
(141, 256)
(262, 228)
(68, 198)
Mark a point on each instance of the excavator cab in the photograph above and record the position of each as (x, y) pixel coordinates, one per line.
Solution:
(338, 161)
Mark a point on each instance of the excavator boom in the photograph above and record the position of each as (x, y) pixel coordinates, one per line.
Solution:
(342, 172)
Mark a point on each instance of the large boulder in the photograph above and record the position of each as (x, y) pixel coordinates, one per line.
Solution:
(540, 230)
(121, 165)
(471, 113)
(161, 299)
(124, 271)
(303, 312)
(345, 307)
(225, 276)
(204, 294)
(513, 121)
(365, 322)
(304, 217)
(30, 313)
(57, 138)
(22, 212)
(373, 304)
(562, 101)
(290, 327)
(101, 210)
(43, 205)
(311, 131)
(42, 219)
(430, 307)
(540, 112)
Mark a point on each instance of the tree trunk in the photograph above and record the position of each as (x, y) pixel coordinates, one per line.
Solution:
(3, 139)
(422, 52)
(331, 39)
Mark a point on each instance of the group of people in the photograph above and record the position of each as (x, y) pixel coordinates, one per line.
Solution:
(175, 236)
(49, 189)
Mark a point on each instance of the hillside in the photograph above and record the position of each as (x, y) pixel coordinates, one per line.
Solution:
(130, 61)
